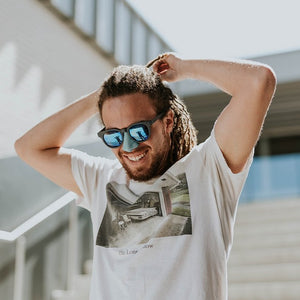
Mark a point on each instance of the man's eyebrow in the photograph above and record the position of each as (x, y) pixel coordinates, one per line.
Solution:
(107, 128)
(137, 122)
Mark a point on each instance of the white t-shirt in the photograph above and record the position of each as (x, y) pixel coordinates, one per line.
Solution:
(168, 238)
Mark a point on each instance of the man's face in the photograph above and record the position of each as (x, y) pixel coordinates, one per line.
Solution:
(150, 158)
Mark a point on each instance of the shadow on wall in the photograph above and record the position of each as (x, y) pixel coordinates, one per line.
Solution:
(65, 58)
(42, 68)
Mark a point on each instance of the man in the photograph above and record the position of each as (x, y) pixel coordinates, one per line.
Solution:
(163, 212)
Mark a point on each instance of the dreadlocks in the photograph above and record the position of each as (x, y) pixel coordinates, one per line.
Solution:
(184, 135)
(126, 80)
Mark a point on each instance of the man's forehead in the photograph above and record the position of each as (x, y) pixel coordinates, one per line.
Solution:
(127, 109)
(129, 101)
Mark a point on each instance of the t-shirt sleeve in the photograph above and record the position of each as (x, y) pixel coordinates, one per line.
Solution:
(89, 173)
(227, 186)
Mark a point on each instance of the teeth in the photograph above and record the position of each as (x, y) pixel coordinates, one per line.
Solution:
(136, 158)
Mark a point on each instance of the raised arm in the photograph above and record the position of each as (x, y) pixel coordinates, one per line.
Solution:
(251, 86)
(41, 147)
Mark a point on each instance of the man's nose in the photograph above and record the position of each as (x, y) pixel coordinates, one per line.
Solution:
(129, 144)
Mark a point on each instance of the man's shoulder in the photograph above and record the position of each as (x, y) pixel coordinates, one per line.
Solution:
(196, 154)
(86, 159)
(200, 148)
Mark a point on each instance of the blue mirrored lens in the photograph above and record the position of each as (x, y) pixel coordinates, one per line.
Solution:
(113, 139)
(139, 132)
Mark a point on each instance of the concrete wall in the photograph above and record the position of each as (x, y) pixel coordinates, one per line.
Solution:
(44, 65)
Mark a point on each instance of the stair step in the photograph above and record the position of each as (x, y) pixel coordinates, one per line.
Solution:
(264, 273)
(81, 284)
(264, 256)
(268, 207)
(248, 218)
(258, 210)
(273, 240)
(287, 226)
(264, 291)
(66, 295)
(265, 259)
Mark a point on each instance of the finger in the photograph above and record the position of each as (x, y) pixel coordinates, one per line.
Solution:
(151, 62)
(166, 77)
(159, 57)
(162, 67)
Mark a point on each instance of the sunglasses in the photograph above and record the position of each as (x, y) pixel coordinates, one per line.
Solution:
(139, 132)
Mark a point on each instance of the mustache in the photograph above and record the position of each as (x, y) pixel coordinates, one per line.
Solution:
(139, 149)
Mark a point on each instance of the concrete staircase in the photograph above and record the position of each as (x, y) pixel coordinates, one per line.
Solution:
(265, 259)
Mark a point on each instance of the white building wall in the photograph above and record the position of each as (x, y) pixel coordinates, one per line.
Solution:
(44, 65)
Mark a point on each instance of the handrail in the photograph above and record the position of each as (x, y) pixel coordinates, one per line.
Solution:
(18, 235)
(38, 218)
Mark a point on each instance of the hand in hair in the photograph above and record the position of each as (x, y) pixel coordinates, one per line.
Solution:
(168, 66)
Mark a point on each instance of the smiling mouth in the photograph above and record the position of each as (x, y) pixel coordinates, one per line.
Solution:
(135, 158)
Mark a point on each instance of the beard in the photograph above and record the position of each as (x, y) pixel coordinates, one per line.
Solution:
(159, 164)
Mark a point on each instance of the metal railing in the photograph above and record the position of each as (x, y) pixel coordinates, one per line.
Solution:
(18, 235)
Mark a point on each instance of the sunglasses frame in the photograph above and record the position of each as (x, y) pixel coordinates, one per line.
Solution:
(147, 123)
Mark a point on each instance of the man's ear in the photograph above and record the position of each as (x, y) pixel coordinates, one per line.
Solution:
(169, 121)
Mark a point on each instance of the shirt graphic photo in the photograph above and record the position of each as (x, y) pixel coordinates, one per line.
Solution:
(132, 219)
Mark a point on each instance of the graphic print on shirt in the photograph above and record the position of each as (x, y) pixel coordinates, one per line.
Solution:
(132, 219)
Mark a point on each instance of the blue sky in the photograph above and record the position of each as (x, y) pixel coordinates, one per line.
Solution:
(224, 28)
